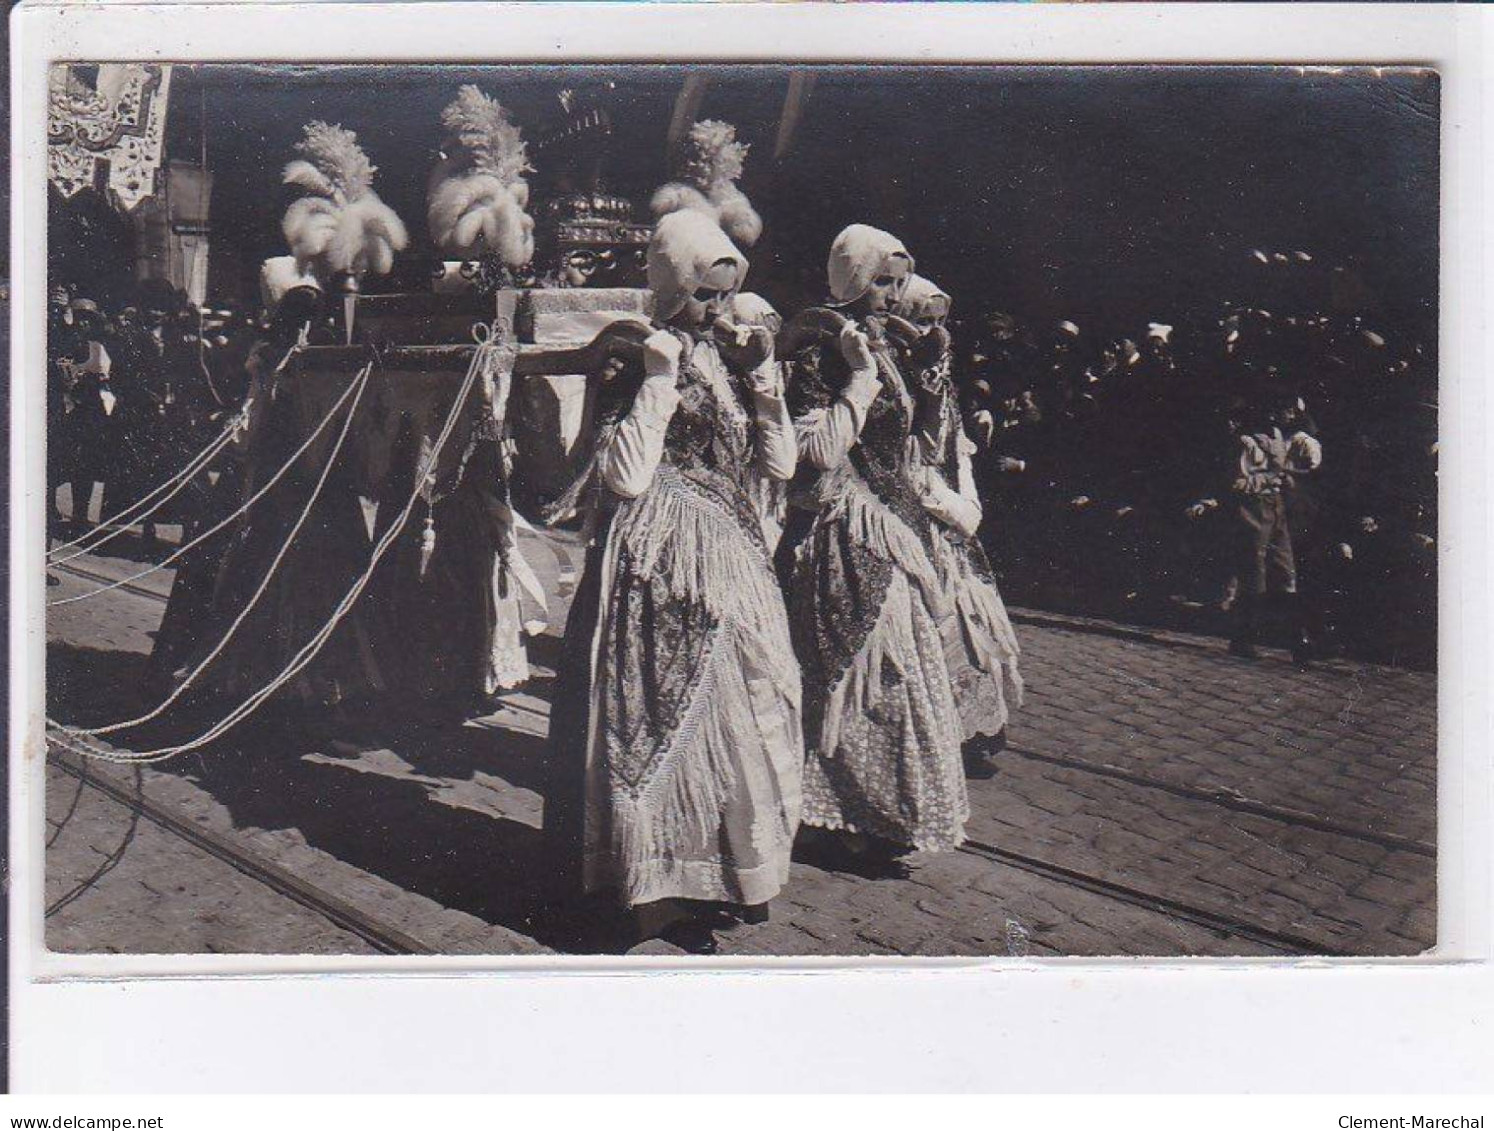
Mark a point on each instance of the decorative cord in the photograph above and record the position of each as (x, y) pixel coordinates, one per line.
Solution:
(120, 523)
(362, 383)
(233, 517)
(74, 739)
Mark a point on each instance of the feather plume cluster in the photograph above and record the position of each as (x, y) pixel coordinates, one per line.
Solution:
(707, 168)
(341, 226)
(477, 195)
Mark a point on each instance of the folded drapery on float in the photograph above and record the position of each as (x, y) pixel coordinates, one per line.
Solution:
(410, 396)
(466, 412)
(446, 611)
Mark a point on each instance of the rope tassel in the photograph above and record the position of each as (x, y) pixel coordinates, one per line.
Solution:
(427, 544)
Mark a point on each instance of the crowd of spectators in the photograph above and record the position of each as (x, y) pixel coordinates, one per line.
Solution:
(1105, 462)
(134, 390)
(1107, 466)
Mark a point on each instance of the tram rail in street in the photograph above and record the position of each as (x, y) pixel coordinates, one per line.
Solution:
(389, 939)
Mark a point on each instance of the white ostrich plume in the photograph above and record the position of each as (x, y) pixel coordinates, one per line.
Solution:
(708, 167)
(341, 226)
(477, 194)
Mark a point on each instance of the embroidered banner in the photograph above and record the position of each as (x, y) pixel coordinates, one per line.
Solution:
(105, 130)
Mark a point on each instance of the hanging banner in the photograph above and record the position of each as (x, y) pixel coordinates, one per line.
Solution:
(105, 130)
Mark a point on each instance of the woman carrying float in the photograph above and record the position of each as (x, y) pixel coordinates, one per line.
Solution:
(864, 593)
(979, 643)
(676, 747)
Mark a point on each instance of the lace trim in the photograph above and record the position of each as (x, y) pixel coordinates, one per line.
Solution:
(839, 824)
(706, 555)
(887, 759)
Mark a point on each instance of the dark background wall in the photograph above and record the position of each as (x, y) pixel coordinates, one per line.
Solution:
(1106, 195)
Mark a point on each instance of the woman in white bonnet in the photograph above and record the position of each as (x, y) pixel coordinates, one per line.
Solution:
(677, 748)
(980, 644)
(864, 594)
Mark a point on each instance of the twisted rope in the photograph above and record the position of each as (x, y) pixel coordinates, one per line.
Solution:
(120, 523)
(234, 516)
(74, 739)
(361, 380)
(229, 431)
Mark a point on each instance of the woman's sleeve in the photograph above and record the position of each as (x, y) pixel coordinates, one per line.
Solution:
(628, 462)
(933, 397)
(958, 507)
(777, 444)
(828, 425)
(937, 421)
(966, 450)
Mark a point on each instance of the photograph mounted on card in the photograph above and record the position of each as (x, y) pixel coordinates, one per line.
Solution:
(771, 512)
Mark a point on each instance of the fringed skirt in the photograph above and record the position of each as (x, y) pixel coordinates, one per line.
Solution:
(980, 645)
(884, 729)
(677, 752)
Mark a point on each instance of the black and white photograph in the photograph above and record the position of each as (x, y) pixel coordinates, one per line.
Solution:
(772, 511)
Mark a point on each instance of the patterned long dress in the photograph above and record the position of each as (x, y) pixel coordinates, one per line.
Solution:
(980, 645)
(866, 601)
(677, 745)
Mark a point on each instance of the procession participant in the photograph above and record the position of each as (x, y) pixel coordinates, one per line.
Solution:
(770, 495)
(1313, 554)
(187, 626)
(1271, 463)
(93, 422)
(865, 597)
(1265, 466)
(63, 348)
(330, 549)
(140, 459)
(980, 644)
(676, 743)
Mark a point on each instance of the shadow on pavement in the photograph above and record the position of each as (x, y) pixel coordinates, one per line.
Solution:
(398, 828)
(93, 687)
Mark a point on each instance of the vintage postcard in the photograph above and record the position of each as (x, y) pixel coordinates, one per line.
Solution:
(754, 510)
(764, 503)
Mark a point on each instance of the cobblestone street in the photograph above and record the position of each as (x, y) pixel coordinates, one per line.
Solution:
(1158, 797)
